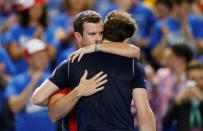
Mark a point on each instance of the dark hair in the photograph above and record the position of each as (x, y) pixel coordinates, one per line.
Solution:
(179, 2)
(182, 50)
(118, 26)
(167, 3)
(194, 65)
(24, 17)
(85, 16)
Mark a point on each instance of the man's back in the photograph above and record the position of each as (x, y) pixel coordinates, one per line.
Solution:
(109, 109)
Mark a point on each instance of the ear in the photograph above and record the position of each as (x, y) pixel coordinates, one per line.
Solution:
(78, 36)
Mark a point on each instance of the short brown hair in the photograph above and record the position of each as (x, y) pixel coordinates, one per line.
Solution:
(118, 26)
(193, 65)
(183, 51)
(85, 16)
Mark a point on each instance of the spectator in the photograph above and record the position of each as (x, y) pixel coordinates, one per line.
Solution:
(187, 108)
(168, 81)
(179, 27)
(63, 29)
(32, 24)
(20, 88)
(7, 18)
(7, 71)
(162, 8)
(143, 15)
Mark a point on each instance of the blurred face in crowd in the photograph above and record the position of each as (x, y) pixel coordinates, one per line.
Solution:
(38, 61)
(76, 4)
(36, 11)
(161, 10)
(124, 4)
(197, 76)
(92, 32)
(170, 60)
(183, 9)
(89, 4)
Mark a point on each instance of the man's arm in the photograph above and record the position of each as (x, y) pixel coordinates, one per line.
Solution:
(145, 115)
(60, 105)
(49, 86)
(117, 48)
(42, 93)
(18, 101)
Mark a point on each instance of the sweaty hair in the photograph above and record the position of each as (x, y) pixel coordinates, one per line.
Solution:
(118, 26)
(85, 16)
(182, 50)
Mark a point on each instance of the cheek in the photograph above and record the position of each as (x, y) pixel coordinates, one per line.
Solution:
(36, 12)
(88, 40)
(44, 59)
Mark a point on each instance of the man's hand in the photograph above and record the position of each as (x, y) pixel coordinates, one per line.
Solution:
(39, 32)
(89, 87)
(80, 52)
(188, 94)
(36, 76)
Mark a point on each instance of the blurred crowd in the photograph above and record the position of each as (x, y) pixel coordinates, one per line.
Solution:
(169, 34)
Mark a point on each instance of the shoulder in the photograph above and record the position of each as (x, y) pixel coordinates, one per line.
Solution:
(3, 53)
(158, 24)
(144, 8)
(15, 27)
(61, 68)
(195, 20)
(138, 65)
(18, 82)
(63, 64)
(20, 78)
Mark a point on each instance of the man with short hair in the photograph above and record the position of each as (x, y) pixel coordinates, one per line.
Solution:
(88, 29)
(108, 109)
